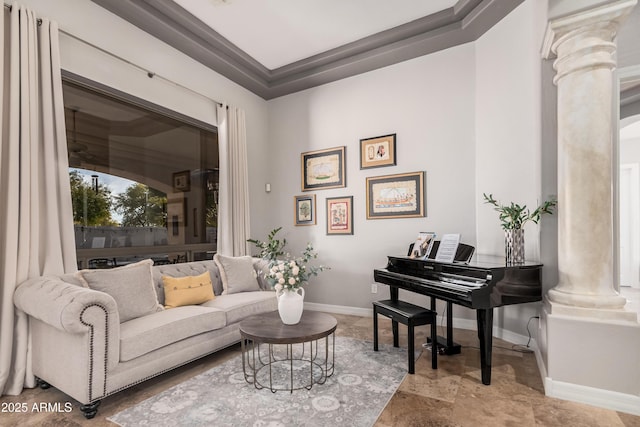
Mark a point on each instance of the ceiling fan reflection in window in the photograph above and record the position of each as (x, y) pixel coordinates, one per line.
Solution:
(78, 150)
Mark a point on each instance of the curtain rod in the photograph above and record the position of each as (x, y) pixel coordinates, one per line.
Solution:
(149, 73)
(8, 6)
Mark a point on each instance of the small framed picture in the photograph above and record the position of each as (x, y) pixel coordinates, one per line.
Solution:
(423, 245)
(396, 196)
(340, 215)
(378, 151)
(305, 210)
(323, 169)
(182, 181)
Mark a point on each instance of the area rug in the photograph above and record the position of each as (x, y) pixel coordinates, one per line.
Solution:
(356, 394)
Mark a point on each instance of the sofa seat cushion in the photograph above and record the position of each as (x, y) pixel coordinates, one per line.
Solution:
(145, 334)
(244, 304)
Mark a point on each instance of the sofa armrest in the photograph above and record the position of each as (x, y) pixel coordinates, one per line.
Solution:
(63, 305)
(75, 334)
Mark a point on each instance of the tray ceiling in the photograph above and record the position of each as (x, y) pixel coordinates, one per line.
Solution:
(277, 47)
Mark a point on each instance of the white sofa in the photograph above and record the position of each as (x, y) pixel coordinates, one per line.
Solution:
(81, 347)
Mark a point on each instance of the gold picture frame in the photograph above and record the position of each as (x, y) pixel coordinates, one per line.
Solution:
(396, 196)
(339, 215)
(304, 209)
(378, 151)
(323, 169)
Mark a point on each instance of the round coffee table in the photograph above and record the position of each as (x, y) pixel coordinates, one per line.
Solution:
(288, 357)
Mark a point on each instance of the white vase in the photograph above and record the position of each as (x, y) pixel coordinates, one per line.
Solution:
(290, 305)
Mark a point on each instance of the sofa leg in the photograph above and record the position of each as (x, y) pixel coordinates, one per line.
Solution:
(90, 410)
(42, 383)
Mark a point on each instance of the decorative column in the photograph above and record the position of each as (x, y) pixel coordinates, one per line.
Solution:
(584, 47)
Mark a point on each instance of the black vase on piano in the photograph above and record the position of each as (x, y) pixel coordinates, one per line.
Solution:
(479, 282)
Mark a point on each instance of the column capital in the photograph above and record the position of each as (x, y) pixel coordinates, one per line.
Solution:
(606, 17)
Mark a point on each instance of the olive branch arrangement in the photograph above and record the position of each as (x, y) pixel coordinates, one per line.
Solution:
(514, 216)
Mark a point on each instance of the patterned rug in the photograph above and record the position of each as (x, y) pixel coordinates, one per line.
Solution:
(361, 386)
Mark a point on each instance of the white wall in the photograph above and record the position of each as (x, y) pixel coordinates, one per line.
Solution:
(468, 116)
(508, 123)
(508, 136)
(429, 103)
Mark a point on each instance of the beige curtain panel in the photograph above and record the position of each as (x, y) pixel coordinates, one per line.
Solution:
(36, 220)
(233, 214)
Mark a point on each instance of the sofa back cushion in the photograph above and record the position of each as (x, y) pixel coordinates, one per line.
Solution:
(238, 274)
(131, 286)
(194, 268)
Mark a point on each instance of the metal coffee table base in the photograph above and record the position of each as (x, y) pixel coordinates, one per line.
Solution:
(303, 362)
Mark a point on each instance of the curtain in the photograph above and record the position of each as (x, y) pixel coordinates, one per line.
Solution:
(36, 220)
(233, 199)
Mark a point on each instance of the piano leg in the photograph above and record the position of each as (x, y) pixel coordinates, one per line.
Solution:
(485, 335)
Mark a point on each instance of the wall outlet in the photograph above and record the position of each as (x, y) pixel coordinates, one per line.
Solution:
(374, 288)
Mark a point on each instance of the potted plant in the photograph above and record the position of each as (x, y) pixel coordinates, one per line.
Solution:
(513, 217)
(287, 274)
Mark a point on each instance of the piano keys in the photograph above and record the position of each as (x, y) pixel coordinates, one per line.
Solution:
(482, 284)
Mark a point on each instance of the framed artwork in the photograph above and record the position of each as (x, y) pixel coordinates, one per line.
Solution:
(396, 196)
(323, 169)
(181, 181)
(340, 215)
(305, 210)
(378, 151)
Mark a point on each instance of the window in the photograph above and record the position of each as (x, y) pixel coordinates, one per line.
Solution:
(144, 180)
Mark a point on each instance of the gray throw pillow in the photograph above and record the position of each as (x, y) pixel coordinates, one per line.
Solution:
(131, 286)
(237, 274)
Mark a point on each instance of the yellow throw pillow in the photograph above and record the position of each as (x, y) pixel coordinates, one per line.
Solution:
(187, 290)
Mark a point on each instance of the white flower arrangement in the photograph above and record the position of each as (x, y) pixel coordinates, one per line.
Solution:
(289, 273)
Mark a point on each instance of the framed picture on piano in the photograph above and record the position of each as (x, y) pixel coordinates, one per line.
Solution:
(396, 196)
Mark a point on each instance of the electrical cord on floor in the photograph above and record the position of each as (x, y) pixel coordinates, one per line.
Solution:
(525, 348)
(515, 347)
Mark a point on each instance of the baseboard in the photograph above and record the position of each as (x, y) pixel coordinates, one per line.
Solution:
(339, 309)
(592, 396)
(457, 323)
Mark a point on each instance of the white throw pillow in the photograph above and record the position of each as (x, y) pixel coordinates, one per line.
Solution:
(131, 286)
(237, 274)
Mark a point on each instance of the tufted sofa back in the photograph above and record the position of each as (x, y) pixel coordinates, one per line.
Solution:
(196, 268)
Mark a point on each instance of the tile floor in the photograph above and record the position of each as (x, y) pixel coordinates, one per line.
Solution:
(452, 395)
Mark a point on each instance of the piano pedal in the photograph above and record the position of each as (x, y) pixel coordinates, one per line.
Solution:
(427, 347)
(443, 348)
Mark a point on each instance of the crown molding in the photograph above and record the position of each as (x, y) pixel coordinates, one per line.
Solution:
(166, 20)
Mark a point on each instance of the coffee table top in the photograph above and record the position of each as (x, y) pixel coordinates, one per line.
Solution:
(268, 328)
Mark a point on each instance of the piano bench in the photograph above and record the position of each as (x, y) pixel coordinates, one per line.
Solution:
(410, 315)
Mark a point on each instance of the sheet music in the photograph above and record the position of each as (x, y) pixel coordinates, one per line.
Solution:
(448, 247)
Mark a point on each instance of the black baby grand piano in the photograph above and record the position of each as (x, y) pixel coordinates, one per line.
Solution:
(482, 283)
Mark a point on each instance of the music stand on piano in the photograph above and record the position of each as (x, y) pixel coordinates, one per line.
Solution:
(463, 253)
